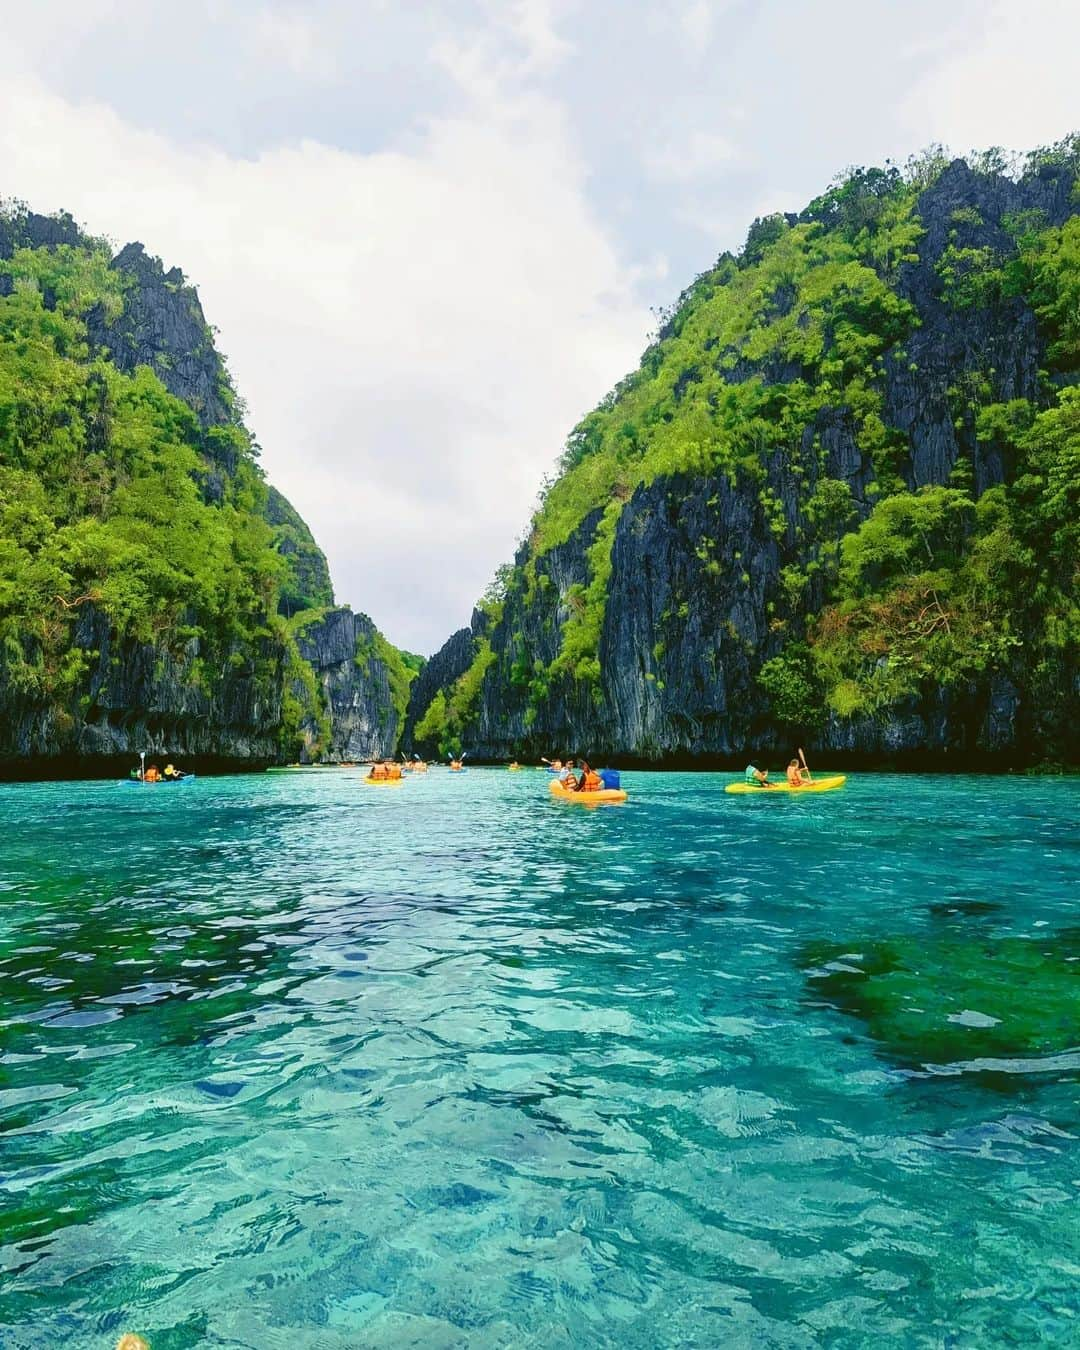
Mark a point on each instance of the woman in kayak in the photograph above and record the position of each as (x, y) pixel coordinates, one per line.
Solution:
(590, 780)
(757, 777)
(797, 776)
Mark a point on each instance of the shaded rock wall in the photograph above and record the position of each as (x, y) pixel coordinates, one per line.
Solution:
(355, 684)
(695, 603)
(177, 698)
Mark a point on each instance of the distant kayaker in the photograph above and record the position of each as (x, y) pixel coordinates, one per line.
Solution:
(797, 776)
(172, 772)
(152, 775)
(566, 772)
(757, 777)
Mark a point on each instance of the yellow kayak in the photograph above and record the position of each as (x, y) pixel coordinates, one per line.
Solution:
(382, 782)
(817, 785)
(586, 798)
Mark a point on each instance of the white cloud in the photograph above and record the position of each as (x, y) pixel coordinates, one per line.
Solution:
(696, 22)
(290, 40)
(533, 23)
(414, 332)
(1012, 83)
(690, 155)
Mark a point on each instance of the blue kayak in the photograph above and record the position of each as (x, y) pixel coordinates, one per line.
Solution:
(161, 782)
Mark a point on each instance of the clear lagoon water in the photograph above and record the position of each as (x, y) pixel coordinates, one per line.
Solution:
(290, 1062)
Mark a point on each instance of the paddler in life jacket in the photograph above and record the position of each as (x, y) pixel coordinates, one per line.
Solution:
(379, 772)
(590, 780)
(757, 777)
(797, 776)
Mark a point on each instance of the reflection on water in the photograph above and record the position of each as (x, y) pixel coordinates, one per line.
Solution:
(285, 1063)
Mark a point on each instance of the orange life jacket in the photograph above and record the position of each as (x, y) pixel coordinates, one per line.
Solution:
(378, 771)
(592, 782)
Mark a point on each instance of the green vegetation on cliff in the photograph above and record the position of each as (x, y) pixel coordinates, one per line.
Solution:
(143, 557)
(447, 715)
(100, 491)
(912, 528)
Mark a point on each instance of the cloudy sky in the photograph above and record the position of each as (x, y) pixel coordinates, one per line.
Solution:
(431, 234)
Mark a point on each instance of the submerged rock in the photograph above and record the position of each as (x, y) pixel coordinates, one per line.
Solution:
(943, 1001)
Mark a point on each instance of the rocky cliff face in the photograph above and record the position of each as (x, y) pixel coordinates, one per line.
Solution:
(356, 687)
(308, 584)
(448, 664)
(80, 695)
(162, 326)
(140, 697)
(711, 574)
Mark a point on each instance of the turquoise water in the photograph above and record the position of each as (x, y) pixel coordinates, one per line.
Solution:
(290, 1062)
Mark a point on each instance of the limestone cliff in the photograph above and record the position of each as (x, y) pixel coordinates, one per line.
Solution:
(835, 506)
(150, 579)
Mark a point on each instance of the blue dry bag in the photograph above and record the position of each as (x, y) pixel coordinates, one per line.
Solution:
(610, 777)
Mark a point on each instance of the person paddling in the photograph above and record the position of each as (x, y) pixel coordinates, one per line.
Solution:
(590, 780)
(757, 777)
(797, 776)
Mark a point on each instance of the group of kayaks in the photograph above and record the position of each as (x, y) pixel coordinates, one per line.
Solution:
(610, 792)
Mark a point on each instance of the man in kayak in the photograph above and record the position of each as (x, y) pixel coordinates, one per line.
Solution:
(152, 775)
(566, 776)
(797, 776)
(757, 777)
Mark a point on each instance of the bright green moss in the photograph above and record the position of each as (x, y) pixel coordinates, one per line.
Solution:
(447, 715)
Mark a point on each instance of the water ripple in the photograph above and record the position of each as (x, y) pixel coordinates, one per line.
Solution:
(284, 1063)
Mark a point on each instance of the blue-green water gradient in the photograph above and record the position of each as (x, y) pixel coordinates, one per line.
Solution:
(286, 1061)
